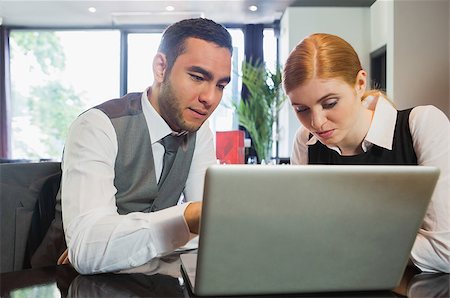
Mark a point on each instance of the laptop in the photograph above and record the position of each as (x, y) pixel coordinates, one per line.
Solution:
(279, 229)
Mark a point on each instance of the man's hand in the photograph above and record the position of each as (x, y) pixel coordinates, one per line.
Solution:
(192, 215)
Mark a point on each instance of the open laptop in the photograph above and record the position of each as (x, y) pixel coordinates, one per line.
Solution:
(304, 229)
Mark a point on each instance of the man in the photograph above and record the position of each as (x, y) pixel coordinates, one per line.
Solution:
(119, 209)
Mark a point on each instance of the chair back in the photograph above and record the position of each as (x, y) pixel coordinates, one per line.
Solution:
(27, 207)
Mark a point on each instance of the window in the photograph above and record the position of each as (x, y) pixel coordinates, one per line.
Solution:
(270, 58)
(142, 47)
(55, 75)
(223, 118)
(270, 48)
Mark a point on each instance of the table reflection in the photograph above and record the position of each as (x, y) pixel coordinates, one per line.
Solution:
(414, 284)
(157, 278)
(429, 285)
(165, 280)
(125, 285)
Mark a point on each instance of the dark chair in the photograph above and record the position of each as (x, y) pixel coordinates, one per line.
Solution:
(27, 206)
(284, 160)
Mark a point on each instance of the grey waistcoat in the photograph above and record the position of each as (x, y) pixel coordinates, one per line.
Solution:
(135, 177)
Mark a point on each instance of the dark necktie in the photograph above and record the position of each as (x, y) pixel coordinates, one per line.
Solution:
(171, 144)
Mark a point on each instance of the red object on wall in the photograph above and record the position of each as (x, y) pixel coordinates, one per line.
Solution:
(230, 147)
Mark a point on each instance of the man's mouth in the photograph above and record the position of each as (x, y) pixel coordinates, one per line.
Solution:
(199, 113)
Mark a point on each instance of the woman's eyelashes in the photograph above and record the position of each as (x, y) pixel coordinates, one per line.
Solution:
(301, 109)
(329, 103)
(326, 105)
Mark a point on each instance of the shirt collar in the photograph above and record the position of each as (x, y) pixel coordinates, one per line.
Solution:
(314, 140)
(381, 131)
(157, 126)
(382, 127)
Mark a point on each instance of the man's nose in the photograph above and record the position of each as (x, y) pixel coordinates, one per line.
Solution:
(209, 94)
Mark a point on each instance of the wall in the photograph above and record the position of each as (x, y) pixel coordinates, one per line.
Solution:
(421, 54)
(351, 23)
(418, 58)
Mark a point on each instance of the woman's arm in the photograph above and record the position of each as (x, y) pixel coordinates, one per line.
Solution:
(430, 130)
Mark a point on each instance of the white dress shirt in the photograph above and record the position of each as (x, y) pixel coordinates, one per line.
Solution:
(99, 239)
(430, 131)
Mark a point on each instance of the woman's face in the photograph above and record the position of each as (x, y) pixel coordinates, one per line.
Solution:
(331, 110)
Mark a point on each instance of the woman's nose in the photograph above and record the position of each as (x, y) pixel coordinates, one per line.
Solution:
(318, 118)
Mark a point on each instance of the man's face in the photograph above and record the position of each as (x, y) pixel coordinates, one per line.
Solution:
(193, 88)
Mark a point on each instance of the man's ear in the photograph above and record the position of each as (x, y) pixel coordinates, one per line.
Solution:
(159, 67)
(361, 80)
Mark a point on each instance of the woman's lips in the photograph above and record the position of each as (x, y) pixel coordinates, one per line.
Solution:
(326, 134)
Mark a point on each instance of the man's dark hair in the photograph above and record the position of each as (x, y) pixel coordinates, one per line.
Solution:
(174, 37)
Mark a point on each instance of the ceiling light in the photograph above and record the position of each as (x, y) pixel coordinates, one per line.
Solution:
(92, 9)
(170, 8)
(253, 8)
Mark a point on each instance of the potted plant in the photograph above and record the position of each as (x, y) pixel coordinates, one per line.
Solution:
(259, 112)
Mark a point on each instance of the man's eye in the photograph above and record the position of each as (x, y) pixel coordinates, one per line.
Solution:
(221, 87)
(196, 77)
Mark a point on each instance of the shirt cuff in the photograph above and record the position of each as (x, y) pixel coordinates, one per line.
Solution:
(174, 228)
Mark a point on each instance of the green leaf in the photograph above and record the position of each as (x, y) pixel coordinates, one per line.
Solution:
(260, 110)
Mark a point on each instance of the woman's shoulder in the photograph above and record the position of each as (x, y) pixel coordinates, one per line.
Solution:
(302, 135)
(299, 154)
(427, 121)
(427, 112)
(427, 108)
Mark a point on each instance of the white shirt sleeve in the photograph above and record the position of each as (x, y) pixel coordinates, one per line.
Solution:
(430, 130)
(299, 154)
(98, 238)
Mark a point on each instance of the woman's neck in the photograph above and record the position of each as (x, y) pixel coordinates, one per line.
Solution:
(353, 145)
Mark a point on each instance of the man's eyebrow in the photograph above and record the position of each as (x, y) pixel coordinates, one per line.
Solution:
(208, 75)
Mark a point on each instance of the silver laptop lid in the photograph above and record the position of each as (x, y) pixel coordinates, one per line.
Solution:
(297, 229)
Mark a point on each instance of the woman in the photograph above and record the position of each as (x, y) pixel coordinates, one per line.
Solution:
(342, 123)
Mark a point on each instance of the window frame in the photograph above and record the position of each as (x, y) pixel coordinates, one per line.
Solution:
(5, 95)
